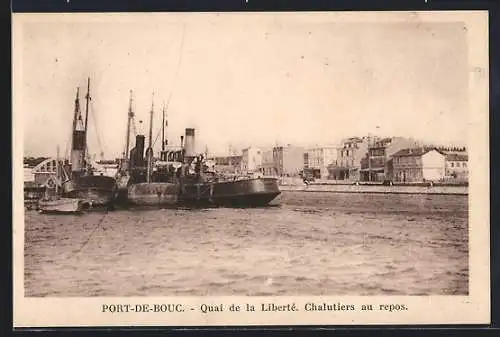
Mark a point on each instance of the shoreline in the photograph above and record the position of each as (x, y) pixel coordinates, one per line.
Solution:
(378, 189)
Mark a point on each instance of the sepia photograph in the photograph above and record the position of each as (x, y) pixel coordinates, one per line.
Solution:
(251, 168)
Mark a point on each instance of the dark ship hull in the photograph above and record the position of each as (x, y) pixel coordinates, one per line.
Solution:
(153, 194)
(253, 192)
(100, 191)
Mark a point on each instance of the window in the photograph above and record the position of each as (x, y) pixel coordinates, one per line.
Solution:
(452, 164)
(464, 164)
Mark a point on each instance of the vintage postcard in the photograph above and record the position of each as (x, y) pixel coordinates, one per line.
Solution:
(204, 169)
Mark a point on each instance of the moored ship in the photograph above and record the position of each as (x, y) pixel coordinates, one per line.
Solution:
(138, 185)
(99, 190)
(245, 192)
(206, 187)
(200, 185)
(181, 177)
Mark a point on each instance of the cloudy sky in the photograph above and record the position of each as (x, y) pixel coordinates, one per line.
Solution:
(244, 79)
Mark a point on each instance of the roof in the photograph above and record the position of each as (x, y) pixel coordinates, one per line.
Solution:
(250, 147)
(384, 141)
(225, 157)
(457, 157)
(321, 146)
(352, 139)
(415, 152)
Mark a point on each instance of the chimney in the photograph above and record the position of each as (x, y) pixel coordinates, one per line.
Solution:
(190, 143)
(182, 142)
(139, 149)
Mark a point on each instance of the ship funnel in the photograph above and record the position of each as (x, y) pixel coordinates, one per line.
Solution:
(137, 153)
(190, 143)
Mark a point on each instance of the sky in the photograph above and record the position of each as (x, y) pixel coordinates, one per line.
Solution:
(243, 79)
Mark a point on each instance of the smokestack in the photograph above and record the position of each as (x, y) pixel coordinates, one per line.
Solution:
(182, 142)
(139, 150)
(77, 151)
(190, 143)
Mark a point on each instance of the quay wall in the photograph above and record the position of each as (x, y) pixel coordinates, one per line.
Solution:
(397, 189)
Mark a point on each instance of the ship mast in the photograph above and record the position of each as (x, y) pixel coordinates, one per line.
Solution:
(129, 119)
(149, 151)
(77, 139)
(58, 175)
(163, 130)
(76, 112)
(150, 139)
(87, 99)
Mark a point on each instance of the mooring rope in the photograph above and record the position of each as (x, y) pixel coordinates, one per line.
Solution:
(91, 234)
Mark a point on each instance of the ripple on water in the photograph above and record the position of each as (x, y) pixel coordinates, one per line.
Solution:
(313, 244)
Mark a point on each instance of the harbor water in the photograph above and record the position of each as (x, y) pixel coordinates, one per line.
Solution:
(306, 243)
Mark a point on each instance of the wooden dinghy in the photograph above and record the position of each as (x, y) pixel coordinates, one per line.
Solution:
(63, 205)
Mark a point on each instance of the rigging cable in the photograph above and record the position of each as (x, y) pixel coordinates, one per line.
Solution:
(95, 128)
(179, 61)
(176, 73)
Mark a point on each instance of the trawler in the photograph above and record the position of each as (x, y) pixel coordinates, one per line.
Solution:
(137, 183)
(99, 190)
(201, 185)
(181, 177)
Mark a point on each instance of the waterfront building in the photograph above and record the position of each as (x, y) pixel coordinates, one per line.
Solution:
(29, 176)
(288, 160)
(349, 156)
(418, 165)
(251, 160)
(319, 158)
(44, 170)
(268, 167)
(374, 167)
(227, 164)
(457, 166)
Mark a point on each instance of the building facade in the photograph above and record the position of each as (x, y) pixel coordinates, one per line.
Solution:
(376, 166)
(227, 164)
(251, 160)
(268, 167)
(418, 165)
(288, 160)
(45, 170)
(306, 160)
(457, 166)
(319, 158)
(350, 154)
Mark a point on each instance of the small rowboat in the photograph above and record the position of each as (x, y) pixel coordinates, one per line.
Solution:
(63, 205)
